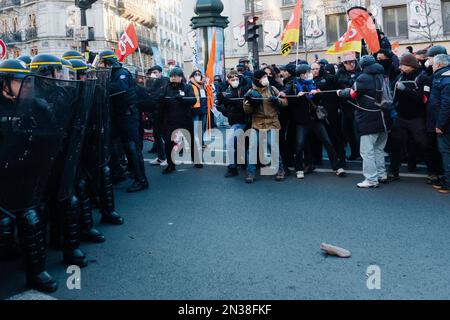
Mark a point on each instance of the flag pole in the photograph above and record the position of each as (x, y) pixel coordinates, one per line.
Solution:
(141, 60)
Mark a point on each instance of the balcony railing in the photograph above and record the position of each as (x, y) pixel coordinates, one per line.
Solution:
(9, 3)
(30, 33)
(146, 45)
(11, 37)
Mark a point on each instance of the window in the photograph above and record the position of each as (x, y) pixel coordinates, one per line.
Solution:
(258, 5)
(395, 22)
(289, 2)
(446, 16)
(14, 24)
(336, 25)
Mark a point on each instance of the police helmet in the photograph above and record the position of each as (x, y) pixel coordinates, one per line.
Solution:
(45, 64)
(80, 67)
(72, 54)
(108, 57)
(26, 59)
(13, 68)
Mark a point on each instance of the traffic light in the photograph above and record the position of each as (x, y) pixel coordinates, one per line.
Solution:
(251, 28)
(84, 4)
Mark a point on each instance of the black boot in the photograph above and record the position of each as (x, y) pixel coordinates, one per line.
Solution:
(231, 173)
(136, 163)
(71, 233)
(8, 248)
(106, 197)
(33, 245)
(88, 232)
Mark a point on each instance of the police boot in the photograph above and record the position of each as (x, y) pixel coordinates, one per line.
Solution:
(107, 202)
(88, 232)
(8, 248)
(71, 233)
(136, 161)
(34, 251)
(55, 212)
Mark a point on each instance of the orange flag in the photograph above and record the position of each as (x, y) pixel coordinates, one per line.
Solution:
(365, 26)
(210, 76)
(128, 43)
(291, 33)
(211, 60)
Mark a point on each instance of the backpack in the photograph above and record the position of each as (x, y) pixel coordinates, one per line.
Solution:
(384, 98)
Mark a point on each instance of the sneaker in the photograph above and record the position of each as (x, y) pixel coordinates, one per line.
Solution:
(433, 179)
(280, 176)
(444, 190)
(439, 184)
(156, 162)
(340, 172)
(310, 169)
(250, 178)
(367, 185)
(300, 175)
(163, 163)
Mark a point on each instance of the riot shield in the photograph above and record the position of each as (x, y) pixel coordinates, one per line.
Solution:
(31, 136)
(96, 152)
(75, 139)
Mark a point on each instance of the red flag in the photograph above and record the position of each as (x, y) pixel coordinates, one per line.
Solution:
(365, 26)
(350, 41)
(128, 43)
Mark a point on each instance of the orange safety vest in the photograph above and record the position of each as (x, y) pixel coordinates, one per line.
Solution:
(209, 96)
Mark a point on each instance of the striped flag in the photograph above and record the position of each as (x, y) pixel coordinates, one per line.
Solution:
(291, 33)
(350, 41)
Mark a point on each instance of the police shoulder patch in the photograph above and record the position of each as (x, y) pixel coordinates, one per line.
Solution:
(123, 77)
(446, 74)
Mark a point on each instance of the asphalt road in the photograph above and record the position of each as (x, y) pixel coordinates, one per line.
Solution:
(197, 235)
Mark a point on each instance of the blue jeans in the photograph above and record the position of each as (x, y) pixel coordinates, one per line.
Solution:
(200, 119)
(372, 152)
(444, 148)
(231, 145)
(252, 153)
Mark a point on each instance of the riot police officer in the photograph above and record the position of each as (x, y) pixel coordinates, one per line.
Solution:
(125, 117)
(64, 208)
(24, 172)
(72, 54)
(26, 59)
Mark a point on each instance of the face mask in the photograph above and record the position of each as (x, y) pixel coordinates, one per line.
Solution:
(265, 82)
(427, 64)
(309, 76)
(385, 63)
(153, 76)
(198, 78)
(235, 84)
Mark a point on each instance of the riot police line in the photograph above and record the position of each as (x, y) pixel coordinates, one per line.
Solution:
(56, 128)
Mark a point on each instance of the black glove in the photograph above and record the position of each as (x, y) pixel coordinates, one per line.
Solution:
(274, 100)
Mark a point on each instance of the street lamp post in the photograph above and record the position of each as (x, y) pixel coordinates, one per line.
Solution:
(208, 20)
(255, 49)
(84, 5)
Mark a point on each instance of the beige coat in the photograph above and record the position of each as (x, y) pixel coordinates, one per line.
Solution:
(266, 116)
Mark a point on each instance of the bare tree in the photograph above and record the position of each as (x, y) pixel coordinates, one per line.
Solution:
(423, 23)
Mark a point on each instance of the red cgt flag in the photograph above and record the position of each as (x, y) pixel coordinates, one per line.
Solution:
(363, 23)
(128, 43)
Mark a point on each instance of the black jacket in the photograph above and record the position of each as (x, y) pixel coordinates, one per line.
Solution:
(123, 87)
(370, 118)
(329, 100)
(343, 80)
(176, 102)
(438, 115)
(233, 109)
(410, 103)
(301, 110)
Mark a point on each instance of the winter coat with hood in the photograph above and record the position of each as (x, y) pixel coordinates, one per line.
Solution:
(264, 113)
(438, 115)
(370, 118)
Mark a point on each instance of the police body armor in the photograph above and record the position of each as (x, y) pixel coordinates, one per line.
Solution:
(31, 138)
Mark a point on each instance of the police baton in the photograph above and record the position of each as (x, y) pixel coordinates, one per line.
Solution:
(117, 94)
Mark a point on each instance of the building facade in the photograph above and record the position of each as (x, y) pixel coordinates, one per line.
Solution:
(48, 26)
(413, 22)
